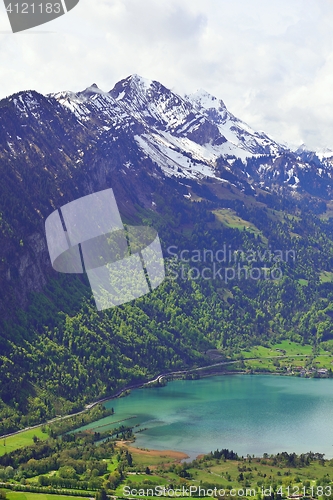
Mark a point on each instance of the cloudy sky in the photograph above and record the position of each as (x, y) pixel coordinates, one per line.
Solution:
(270, 61)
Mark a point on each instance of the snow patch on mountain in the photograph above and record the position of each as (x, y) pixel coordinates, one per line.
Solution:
(236, 131)
(194, 136)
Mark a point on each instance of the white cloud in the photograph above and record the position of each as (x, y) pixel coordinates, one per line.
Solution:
(271, 62)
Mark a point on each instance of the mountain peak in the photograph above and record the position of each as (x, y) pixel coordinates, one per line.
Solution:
(143, 83)
(303, 147)
(203, 99)
(132, 84)
(93, 89)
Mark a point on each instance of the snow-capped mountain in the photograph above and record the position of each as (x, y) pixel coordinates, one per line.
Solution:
(184, 135)
(195, 136)
(238, 133)
(141, 122)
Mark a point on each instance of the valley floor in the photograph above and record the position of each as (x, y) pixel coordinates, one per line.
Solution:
(148, 469)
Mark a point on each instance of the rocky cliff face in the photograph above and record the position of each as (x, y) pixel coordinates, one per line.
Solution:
(48, 157)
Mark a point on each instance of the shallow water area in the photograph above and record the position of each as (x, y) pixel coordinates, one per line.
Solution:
(250, 414)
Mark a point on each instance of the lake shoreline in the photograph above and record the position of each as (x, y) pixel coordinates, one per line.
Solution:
(246, 414)
(125, 391)
(178, 456)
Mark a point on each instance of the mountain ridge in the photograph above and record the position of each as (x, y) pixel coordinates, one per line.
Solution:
(187, 135)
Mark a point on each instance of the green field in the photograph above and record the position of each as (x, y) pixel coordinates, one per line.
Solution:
(326, 277)
(228, 473)
(259, 352)
(21, 440)
(303, 282)
(139, 478)
(249, 472)
(283, 357)
(230, 219)
(261, 365)
(293, 349)
(290, 348)
(323, 361)
(17, 495)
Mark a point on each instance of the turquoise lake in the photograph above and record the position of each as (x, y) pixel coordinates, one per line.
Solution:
(250, 414)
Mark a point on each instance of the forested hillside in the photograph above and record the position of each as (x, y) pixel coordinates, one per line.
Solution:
(57, 352)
